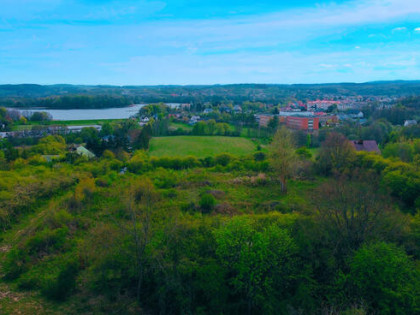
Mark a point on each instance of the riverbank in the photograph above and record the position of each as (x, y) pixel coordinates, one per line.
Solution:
(90, 122)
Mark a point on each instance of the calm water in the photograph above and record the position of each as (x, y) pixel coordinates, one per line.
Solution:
(86, 114)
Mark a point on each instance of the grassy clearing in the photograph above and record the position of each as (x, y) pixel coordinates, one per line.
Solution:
(200, 146)
(182, 126)
(314, 152)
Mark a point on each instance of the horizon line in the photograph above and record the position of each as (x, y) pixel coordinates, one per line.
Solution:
(210, 84)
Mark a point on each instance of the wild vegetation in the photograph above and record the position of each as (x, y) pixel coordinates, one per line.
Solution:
(287, 224)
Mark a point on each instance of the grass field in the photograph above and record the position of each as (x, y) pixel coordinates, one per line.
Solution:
(181, 126)
(29, 125)
(199, 146)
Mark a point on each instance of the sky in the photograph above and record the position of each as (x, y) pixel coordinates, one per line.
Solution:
(148, 42)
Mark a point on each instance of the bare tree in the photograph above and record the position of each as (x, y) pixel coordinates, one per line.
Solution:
(336, 153)
(351, 212)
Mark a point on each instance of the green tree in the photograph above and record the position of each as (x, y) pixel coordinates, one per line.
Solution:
(107, 130)
(143, 139)
(273, 123)
(259, 263)
(401, 150)
(50, 145)
(385, 278)
(140, 202)
(283, 156)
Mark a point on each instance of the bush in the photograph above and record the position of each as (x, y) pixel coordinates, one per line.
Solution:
(207, 162)
(165, 179)
(102, 182)
(65, 283)
(304, 153)
(15, 264)
(138, 162)
(207, 203)
(46, 241)
(28, 282)
(259, 156)
(223, 159)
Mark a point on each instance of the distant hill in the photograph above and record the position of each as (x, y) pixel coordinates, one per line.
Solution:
(51, 96)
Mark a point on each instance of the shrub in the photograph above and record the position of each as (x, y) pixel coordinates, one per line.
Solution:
(46, 241)
(108, 155)
(117, 165)
(65, 283)
(223, 159)
(85, 189)
(207, 203)
(207, 162)
(102, 182)
(15, 264)
(28, 282)
(190, 162)
(138, 162)
(304, 153)
(259, 156)
(165, 179)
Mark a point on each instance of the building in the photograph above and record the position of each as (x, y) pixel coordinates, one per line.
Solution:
(237, 109)
(327, 120)
(82, 151)
(409, 123)
(302, 123)
(322, 104)
(263, 119)
(366, 145)
(79, 128)
(144, 121)
(194, 120)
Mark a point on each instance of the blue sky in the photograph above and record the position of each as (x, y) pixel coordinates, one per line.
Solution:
(142, 42)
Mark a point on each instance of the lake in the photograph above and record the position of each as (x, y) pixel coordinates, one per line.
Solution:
(87, 114)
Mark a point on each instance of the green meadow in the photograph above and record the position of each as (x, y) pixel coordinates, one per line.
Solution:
(200, 146)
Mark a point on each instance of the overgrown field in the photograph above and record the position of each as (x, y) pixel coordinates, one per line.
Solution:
(200, 146)
(140, 234)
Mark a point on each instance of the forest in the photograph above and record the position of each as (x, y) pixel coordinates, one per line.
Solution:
(291, 225)
(64, 96)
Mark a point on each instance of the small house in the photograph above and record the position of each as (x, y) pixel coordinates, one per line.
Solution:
(409, 123)
(194, 120)
(82, 151)
(366, 145)
(237, 109)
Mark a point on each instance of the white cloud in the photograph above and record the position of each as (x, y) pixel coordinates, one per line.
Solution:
(285, 27)
(278, 67)
(280, 47)
(417, 29)
(326, 65)
(399, 29)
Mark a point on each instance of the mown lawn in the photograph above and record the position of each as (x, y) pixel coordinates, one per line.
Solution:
(200, 146)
